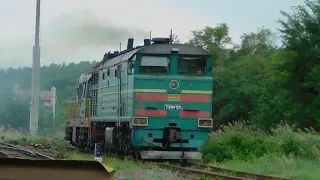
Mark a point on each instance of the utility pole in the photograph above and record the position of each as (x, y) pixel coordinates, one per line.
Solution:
(15, 91)
(53, 103)
(35, 92)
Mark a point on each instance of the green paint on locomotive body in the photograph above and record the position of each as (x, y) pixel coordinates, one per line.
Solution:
(108, 96)
(111, 97)
(159, 84)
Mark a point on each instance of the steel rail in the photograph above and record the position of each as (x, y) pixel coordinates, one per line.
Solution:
(197, 172)
(242, 174)
(26, 152)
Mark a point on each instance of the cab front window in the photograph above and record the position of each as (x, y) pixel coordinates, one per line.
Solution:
(154, 65)
(192, 65)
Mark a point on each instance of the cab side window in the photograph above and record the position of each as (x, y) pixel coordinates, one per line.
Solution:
(192, 65)
(154, 65)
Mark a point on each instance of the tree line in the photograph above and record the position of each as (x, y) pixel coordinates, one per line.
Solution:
(263, 83)
(255, 81)
(15, 111)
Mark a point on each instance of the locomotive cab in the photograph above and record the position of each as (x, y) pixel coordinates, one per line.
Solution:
(172, 109)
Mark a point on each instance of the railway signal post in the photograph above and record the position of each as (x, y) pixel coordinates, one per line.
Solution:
(98, 152)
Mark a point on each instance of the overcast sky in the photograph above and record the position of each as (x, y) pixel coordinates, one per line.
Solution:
(77, 30)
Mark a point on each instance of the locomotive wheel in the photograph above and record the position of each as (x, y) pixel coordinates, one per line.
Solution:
(184, 162)
(136, 155)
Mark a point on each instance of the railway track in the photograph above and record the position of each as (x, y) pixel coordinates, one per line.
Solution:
(246, 175)
(13, 151)
(193, 170)
(212, 172)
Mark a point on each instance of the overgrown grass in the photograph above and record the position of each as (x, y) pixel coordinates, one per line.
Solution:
(16, 135)
(284, 166)
(284, 151)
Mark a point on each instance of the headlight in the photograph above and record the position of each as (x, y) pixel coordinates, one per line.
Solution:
(205, 123)
(140, 121)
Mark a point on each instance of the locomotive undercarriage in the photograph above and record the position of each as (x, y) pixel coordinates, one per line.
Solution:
(109, 135)
(165, 150)
(82, 137)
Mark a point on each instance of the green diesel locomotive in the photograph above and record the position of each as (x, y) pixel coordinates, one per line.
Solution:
(152, 101)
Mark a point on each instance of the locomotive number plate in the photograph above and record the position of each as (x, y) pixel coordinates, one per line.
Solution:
(172, 107)
(174, 97)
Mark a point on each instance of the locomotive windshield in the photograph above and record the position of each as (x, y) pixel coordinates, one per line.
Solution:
(192, 65)
(154, 65)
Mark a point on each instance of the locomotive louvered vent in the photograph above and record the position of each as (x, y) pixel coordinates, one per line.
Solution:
(94, 102)
(95, 79)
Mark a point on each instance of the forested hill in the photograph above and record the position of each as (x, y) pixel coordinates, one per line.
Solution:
(254, 81)
(62, 76)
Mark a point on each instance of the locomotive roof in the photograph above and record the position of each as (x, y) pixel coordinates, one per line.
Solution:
(119, 58)
(154, 49)
(184, 49)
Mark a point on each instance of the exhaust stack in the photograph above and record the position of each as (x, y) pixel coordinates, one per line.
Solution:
(147, 42)
(130, 43)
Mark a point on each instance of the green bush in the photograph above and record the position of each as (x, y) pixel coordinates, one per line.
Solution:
(240, 141)
(301, 143)
(217, 152)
